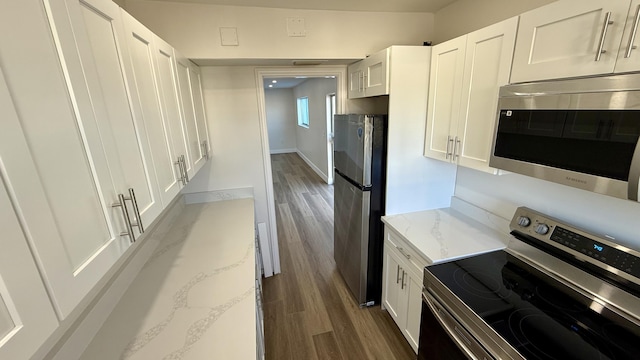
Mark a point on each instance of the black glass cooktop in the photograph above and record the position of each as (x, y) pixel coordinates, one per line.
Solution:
(538, 316)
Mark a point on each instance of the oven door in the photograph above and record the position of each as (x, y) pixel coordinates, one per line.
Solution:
(443, 337)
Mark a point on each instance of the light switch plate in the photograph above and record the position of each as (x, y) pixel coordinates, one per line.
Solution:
(295, 27)
(228, 36)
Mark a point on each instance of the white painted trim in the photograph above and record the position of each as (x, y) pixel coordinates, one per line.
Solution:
(340, 72)
(313, 167)
(218, 195)
(283, 151)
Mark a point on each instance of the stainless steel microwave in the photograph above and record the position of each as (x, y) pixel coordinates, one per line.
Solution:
(579, 132)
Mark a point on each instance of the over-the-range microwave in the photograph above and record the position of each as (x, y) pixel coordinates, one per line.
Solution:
(578, 132)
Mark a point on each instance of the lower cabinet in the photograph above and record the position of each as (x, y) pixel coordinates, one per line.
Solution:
(402, 286)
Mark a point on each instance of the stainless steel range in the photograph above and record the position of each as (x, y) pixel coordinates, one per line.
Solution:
(556, 292)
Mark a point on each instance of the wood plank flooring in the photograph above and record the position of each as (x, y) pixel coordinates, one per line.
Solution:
(309, 312)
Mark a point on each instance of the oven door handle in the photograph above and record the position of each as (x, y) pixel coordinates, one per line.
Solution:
(462, 341)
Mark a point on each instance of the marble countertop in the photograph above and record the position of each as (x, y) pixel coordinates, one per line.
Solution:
(195, 297)
(445, 234)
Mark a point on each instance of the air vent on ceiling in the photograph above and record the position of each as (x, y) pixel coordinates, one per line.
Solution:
(308, 62)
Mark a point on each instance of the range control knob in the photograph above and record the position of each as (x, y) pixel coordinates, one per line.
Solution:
(524, 221)
(542, 229)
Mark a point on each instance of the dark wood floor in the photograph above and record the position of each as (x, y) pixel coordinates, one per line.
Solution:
(309, 312)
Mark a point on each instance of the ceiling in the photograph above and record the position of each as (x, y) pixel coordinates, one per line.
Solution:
(342, 5)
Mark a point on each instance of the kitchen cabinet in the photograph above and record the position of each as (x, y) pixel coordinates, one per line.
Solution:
(195, 78)
(67, 177)
(26, 315)
(370, 76)
(402, 286)
(187, 80)
(571, 39)
(147, 105)
(466, 74)
(172, 116)
(628, 59)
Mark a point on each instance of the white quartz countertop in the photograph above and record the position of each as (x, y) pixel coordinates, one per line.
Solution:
(195, 297)
(445, 234)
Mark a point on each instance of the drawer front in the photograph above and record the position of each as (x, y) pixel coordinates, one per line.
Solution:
(413, 259)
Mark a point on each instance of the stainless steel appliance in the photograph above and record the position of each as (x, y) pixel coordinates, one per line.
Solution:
(556, 292)
(579, 132)
(359, 160)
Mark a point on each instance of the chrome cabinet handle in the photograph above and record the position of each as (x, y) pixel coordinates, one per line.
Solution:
(632, 36)
(136, 211)
(398, 274)
(181, 170)
(184, 166)
(125, 214)
(456, 148)
(403, 253)
(403, 284)
(449, 143)
(603, 35)
(205, 149)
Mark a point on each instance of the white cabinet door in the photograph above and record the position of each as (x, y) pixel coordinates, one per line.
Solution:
(195, 78)
(414, 310)
(356, 80)
(98, 30)
(565, 39)
(187, 106)
(628, 55)
(392, 296)
(445, 87)
(376, 76)
(26, 315)
(487, 64)
(166, 80)
(148, 107)
(62, 182)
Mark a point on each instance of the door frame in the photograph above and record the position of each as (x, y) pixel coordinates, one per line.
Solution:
(340, 73)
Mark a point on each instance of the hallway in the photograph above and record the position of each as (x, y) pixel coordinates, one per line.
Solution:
(309, 312)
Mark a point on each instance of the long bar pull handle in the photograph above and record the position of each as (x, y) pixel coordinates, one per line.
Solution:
(449, 142)
(403, 284)
(603, 35)
(181, 178)
(398, 274)
(206, 148)
(184, 166)
(632, 36)
(456, 149)
(125, 214)
(132, 197)
(403, 253)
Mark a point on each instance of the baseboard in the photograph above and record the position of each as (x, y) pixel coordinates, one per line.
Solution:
(282, 151)
(218, 195)
(313, 167)
(77, 331)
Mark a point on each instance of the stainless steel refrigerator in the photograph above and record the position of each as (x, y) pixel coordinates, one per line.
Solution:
(360, 151)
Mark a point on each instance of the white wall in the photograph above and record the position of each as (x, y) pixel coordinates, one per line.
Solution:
(465, 16)
(262, 32)
(280, 106)
(312, 142)
(234, 130)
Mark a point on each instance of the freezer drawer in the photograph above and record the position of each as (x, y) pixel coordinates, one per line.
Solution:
(351, 235)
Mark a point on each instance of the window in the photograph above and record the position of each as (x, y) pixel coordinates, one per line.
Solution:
(303, 111)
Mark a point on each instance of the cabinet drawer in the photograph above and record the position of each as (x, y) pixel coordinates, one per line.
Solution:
(413, 259)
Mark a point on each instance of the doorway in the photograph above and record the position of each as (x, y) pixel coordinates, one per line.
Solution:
(339, 72)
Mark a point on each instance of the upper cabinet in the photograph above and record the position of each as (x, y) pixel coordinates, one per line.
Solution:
(466, 74)
(628, 56)
(370, 77)
(575, 38)
(194, 121)
(26, 315)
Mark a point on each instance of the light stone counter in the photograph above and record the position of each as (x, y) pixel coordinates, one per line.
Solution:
(445, 234)
(195, 297)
